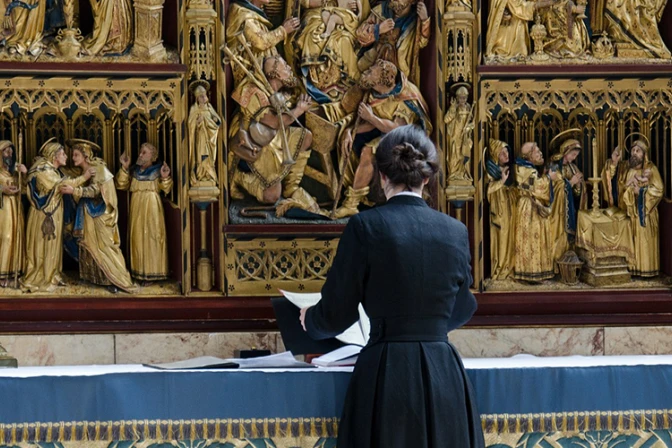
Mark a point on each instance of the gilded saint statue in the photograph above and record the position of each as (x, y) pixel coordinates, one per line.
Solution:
(12, 252)
(264, 143)
(204, 125)
(567, 32)
(632, 25)
(146, 180)
(112, 28)
(28, 23)
(100, 259)
(502, 199)
(533, 256)
(247, 18)
(393, 101)
(459, 129)
(44, 231)
(508, 36)
(635, 186)
(327, 47)
(569, 190)
(396, 31)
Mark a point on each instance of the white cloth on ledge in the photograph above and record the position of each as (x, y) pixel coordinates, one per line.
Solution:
(515, 362)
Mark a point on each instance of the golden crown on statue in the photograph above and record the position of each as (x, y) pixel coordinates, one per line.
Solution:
(603, 48)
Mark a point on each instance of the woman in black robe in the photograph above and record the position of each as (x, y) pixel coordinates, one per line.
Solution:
(409, 266)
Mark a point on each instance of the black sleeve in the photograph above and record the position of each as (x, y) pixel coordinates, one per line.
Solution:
(465, 302)
(344, 288)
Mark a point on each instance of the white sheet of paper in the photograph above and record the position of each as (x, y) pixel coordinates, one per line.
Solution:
(364, 323)
(193, 363)
(357, 334)
(279, 360)
(338, 354)
(353, 335)
(300, 299)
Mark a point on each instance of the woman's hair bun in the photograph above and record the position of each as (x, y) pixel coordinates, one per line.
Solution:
(407, 156)
(407, 152)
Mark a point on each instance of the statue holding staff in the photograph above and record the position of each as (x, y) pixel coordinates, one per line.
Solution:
(269, 156)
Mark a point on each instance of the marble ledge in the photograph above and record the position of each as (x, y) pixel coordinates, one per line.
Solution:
(80, 349)
(50, 350)
(169, 347)
(504, 342)
(638, 340)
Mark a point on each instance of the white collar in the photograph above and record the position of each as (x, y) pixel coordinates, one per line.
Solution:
(407, 193)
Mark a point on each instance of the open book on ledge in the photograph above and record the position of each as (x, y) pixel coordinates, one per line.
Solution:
(341, 352)
(276, 361)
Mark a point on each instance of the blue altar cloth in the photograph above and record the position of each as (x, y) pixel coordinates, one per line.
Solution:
(173, 395)
(520, 398)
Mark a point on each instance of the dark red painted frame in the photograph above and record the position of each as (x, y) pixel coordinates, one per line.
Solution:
(216, 313)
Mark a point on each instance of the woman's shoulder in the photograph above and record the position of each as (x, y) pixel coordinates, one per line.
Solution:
(432, 218)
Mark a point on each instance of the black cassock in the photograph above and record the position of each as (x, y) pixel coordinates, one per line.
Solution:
(409, 266)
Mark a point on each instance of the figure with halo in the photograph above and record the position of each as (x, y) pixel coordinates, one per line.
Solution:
(204, 125)
(44, 231)
(100, 259)
(636, 187)
(569, 190)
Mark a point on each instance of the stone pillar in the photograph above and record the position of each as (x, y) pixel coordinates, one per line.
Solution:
(204, 263)
(148, 44)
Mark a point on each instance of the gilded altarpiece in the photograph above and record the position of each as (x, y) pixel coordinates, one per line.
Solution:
(177, 85)
(231, 244)
(173, 86)
(606, 111)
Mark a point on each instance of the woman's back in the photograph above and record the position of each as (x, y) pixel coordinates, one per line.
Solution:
(417, 260)
(409, 266)
(402, 259)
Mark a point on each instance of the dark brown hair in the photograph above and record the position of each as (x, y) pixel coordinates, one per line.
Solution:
(407, 157)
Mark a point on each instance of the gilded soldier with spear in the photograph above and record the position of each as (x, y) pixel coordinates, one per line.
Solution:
(268, 156)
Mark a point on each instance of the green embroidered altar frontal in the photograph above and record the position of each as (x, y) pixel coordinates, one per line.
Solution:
(105, 408)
